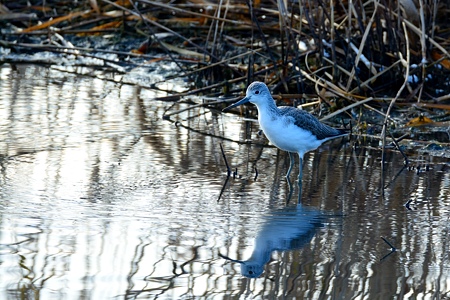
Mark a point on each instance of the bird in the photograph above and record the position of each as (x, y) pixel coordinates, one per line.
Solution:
(288, 128)
(280, 230)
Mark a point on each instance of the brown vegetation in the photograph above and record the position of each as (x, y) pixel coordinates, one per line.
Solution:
(372, 55)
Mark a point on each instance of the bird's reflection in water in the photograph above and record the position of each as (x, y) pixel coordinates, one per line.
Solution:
(282, 230)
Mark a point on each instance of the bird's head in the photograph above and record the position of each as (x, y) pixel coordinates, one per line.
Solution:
(257, 93)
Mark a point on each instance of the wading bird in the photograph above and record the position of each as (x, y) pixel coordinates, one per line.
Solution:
(288, 128)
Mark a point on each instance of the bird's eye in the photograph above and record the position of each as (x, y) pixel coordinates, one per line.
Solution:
(256, 92)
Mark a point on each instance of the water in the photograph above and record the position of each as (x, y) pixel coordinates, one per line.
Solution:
(102, 199)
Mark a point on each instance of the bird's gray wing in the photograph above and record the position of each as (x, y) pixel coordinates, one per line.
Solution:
(305, 120)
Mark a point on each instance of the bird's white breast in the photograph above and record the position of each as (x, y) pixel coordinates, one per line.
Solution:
(284, 134)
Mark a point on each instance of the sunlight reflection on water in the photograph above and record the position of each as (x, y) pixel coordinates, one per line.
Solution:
(102, 199)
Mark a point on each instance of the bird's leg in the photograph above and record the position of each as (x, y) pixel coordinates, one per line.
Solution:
(291, 190)
(300, 171)
(300, 175)
(291, 165)
(292, 161)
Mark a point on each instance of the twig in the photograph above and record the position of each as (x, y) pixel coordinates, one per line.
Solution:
(391, 105)
(407, 204)
(346, 108)
(398, 146)
(360, 55)
(390, 245)
(167, 116)
(189, 41)
(225, 159)
(395, 177)
(393, 249)
(371, 79)
(174, 8)
(223, 188)
(228, 173)
(230, 259)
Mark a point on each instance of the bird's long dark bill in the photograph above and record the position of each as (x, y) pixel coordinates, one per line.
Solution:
(240, 102)
(230, 259)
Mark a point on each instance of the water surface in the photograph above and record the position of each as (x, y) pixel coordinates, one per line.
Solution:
(102, 199)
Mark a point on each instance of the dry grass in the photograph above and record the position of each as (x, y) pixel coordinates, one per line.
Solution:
(372, 55)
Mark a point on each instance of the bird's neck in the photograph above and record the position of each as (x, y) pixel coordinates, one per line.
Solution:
(267, 109)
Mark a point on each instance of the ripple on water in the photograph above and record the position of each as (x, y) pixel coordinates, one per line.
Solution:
(101, 198)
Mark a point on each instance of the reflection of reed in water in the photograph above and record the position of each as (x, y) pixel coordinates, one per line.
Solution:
(282, 230)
